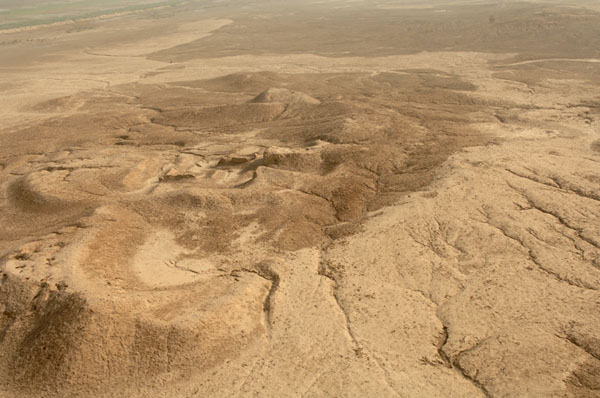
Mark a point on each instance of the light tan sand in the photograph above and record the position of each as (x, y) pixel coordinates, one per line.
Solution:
(299, 217)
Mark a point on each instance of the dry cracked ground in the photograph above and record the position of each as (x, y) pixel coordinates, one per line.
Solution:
(279, 199)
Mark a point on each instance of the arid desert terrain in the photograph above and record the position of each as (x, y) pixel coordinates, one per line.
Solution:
(299, 199)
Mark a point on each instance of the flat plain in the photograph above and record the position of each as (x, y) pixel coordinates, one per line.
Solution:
(299, 199)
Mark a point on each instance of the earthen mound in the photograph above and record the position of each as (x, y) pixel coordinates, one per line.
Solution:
(285, 96)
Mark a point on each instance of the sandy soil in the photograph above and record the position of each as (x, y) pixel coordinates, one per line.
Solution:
(275, 200)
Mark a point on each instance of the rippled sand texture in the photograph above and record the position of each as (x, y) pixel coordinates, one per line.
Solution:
(317, 199)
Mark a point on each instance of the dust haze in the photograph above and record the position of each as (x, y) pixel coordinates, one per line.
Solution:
(299, 199)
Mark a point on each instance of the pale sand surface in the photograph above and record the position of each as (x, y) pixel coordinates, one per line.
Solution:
(311, 219)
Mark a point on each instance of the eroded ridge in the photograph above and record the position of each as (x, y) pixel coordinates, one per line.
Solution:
(188, 201)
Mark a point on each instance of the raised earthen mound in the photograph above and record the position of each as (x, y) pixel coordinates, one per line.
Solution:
(237, 236)
(285, 96)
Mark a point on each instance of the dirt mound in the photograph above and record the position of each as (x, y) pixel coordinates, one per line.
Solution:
(344, 156)
(298, 160)
(54, 340)
(285, 96)
(222, 116)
